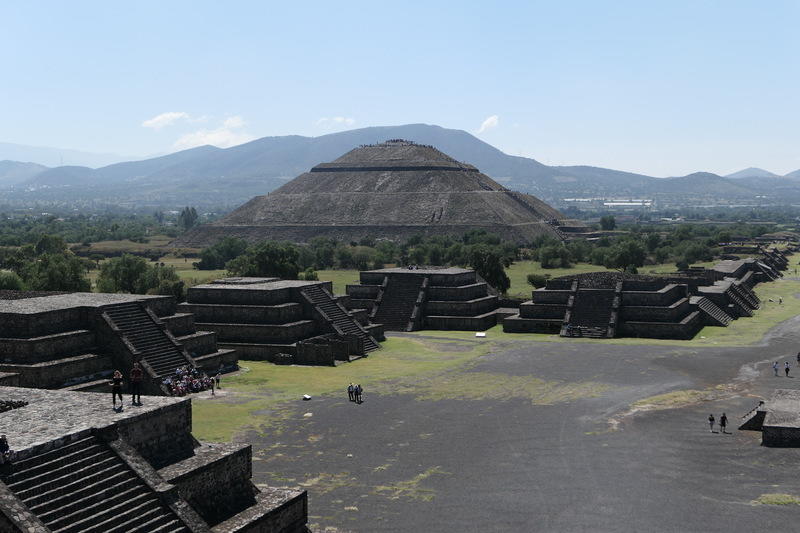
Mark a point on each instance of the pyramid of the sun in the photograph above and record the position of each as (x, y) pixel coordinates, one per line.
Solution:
(391, 190)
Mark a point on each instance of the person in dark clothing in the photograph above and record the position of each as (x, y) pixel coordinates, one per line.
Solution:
(711, 423)
(351, 392)
(136, 384)
(359, 390)
(116, 388)
(786, 368)
(723, 422)
(5, 450)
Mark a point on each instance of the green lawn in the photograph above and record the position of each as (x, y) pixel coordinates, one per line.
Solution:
(340, 278)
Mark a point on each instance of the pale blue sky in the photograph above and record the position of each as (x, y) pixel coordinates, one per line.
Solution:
(663, 88)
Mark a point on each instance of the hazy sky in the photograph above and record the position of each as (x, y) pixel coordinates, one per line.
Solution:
(664, 88)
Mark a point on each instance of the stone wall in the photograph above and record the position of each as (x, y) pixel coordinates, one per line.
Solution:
(780, 437)
(252, 314)
(162, 436)
(663, 296)
(40, 349)
(263, 333)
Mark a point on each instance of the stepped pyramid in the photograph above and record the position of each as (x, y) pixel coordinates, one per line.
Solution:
(391, 190)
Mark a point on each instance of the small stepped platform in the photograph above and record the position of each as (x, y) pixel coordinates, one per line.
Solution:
(591, 314)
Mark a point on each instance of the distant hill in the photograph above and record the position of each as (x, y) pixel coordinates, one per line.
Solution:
(215, 177)
(793, 175)
(14, 172)
(752, 172)
(52, 157)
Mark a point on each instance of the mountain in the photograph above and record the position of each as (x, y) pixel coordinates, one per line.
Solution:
(52, 157)
(14, 172)
(214, 177)
(793, 175)
(752, 172)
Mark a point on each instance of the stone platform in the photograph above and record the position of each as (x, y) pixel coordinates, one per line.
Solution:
(403, 299)
(75, 341)
(778, 419)
(77, 465)
(283, 321)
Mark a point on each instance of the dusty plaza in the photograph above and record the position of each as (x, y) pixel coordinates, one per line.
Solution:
(528, 432)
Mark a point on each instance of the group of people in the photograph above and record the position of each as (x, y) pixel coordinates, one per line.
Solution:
(354, 393)
(182, 382)
(187, 380)
(723, 423)
(786, 366)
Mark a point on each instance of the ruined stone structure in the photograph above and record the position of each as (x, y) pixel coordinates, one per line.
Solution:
(75, 341)
(283, 321)
(90, 469)
(388, 191)
(427, 298)
(778, 419)
(609, 304)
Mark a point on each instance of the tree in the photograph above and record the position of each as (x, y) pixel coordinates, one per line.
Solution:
(50, 244)
(652, 241)
(10, 281)
(56, 272)
(217, 255)
(626, 254)
(134, 275)
(491, 266)
(188, 218)
(123, 274)
(268, 258)
(608, 222)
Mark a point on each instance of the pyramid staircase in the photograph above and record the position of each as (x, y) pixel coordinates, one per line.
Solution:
(342, 321)
(85, 486)
(716, 315)
(739, 304)
(591, 314)
(397, 303)
(746, 294)
(157, 347)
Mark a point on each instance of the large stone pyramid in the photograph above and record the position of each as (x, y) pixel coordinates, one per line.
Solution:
(391, 190)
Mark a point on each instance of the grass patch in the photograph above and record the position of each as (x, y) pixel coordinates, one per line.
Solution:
(339, 278)
(411, 488)
(672, 400)
(776, 499)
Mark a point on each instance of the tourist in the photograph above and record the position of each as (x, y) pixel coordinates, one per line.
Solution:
(723, 422)
(136, 384)
(786, 368)
(218, 378)
(5, 450)
(116, 389)
(798, 358)
(780, 300)
(359, 391)
(711, 422)
(775, 366)
(351, 392)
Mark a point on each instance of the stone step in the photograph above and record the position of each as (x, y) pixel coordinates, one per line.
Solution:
(124, 488)
(48, 472)
(120, 477)
(74, 453)
(91, 512)
(120, 513)
(67, 476)
(98, 480)
(42, 458)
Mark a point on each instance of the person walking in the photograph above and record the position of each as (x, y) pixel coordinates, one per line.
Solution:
(711, 423)
(723, 422)
(351, 392)
(136, 384)
(798, 358)
(359, 390)
(786, 368)
(775, 366)
(116, 389)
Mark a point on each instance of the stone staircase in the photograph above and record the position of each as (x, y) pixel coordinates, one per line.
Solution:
(85, 486)
(591, 314)
(150, 339)
(398, 301)
(716, 315)
(340, 318)
(738, 303)
(747, 295)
